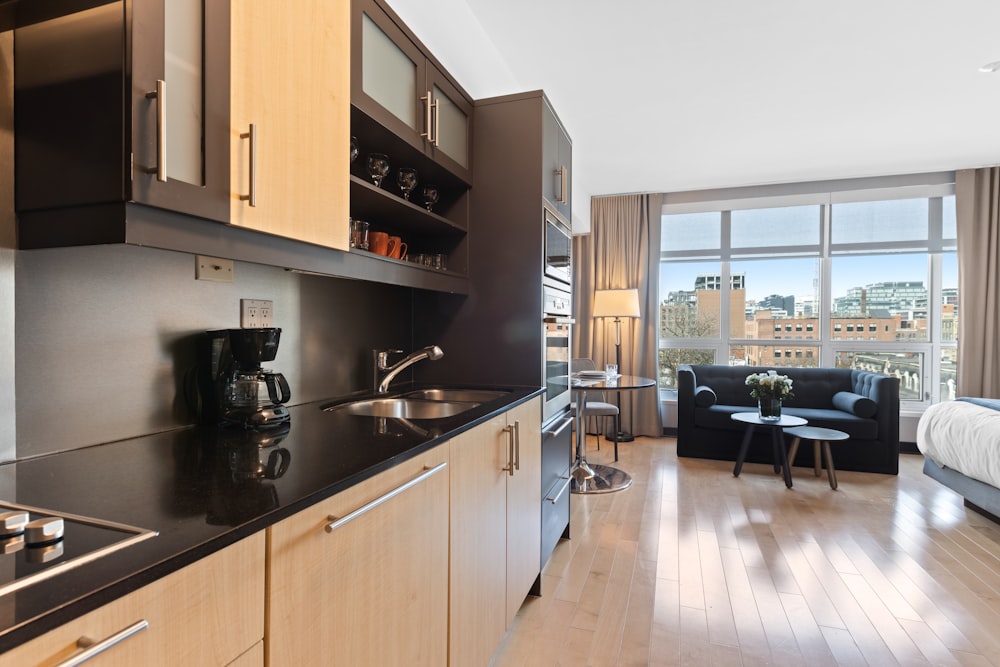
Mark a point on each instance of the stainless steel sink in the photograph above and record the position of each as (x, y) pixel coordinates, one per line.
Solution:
(403, 408)
(461, 395)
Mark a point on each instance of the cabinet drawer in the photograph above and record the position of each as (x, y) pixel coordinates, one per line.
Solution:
(362, 577)
(208, 613)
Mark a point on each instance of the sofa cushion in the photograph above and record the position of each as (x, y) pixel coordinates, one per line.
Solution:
(704, 397)
(720, 417)
(855, 404)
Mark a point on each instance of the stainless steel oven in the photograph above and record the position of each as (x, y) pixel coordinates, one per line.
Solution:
(557, 327)
(558, 249)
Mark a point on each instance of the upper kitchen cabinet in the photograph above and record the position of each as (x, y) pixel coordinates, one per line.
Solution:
(557, 163)
(290, 131)
(396, 83)
(122, 102)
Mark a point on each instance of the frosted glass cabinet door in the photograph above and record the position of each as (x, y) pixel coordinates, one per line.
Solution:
(388, 78)
(180, 106)
(388, 74)
(451, 113)
(398, 85)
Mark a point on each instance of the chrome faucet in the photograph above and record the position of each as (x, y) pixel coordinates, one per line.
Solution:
(432, 352)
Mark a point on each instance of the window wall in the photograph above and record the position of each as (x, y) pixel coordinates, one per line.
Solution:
(859, 274)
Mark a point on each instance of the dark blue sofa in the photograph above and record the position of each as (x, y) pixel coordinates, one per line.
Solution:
(864, 405)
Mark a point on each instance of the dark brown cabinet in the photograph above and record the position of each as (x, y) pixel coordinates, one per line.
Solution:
(557, 164)
(396, 82)
(404, 106)
(122, 102)
(503, 314)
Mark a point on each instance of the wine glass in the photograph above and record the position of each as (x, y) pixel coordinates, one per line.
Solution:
(354, 149)
(406, 179)
(378, 167)
(430, 196)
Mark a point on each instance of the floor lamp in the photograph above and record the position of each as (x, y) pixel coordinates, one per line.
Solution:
(617, 303)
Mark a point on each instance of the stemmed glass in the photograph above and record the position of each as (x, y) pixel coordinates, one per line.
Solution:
(430, 196)
(406, 179)
(378, 167)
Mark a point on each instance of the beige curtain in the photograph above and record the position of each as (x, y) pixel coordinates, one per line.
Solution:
(977, 204)
(622, 252)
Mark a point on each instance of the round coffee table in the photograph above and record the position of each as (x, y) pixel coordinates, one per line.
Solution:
(819, 436)
(776, 426)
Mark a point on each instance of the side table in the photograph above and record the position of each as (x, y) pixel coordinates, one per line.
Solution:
(776, 426)
(819, 436)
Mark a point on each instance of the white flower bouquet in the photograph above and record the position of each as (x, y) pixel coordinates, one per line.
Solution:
(769, 385)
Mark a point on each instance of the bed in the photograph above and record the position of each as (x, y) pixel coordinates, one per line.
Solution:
(960, 441)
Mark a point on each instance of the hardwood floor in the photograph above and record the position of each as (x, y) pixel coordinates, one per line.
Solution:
(691, 566)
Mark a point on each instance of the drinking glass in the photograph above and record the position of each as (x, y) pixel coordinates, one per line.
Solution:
(378, 167)
(359, 234)
(430, 196)
(610, 370)
(406, 179)
(354, 149)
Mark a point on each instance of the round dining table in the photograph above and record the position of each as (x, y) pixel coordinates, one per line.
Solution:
(595, 477)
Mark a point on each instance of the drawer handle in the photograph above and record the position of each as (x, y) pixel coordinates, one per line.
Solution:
(562, 427)
(336, 523)
(561, 491)
(92, 649)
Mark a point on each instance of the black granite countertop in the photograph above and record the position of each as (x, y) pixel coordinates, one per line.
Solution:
(182, 484)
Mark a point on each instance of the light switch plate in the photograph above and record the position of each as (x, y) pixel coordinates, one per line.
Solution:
(213, 268)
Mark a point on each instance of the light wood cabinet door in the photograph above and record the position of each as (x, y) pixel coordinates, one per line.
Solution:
(291, 84)
(524, 505)
(495, 529)
(374, 589)
(478, 542)
(209, 613)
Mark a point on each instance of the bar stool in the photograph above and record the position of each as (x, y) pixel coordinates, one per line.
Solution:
(819, 436)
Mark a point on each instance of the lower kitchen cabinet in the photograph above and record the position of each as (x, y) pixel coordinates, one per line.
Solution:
(362, 577)
(495, 529)
(209, 613)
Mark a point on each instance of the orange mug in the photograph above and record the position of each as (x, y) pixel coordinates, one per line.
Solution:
(397, 248)
(378, 242)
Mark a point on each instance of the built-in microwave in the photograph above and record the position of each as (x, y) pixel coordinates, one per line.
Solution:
(558, 248)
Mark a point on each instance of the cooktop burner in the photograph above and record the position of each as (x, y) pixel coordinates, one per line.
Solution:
(36, 544)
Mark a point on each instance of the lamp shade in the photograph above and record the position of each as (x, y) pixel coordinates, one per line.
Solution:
(616, 303)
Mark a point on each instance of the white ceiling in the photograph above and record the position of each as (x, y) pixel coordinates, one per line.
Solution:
(671, 95)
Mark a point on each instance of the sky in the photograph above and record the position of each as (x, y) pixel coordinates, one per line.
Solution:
(795, 276)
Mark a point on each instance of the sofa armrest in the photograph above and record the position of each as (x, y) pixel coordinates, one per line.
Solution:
(686, 384)
(884, 390)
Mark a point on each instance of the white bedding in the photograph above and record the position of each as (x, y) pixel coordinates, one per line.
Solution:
(964, 437)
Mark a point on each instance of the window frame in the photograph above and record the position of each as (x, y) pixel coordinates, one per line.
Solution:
(935, 188)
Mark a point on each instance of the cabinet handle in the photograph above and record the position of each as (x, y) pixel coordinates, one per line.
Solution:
(562, 490)
(336, 523)
(428, 122)
(561, 175)
(509, 430)
(437, 122)
(565, 424)
(92, 649)
(251, 198)
(161, 131)
(517, 445)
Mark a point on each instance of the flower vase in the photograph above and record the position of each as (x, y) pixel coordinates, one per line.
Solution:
(769, 409)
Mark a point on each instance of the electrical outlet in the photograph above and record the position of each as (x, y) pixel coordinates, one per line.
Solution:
(256, 313)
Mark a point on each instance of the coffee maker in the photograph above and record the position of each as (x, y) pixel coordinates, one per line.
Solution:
(235, 389)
